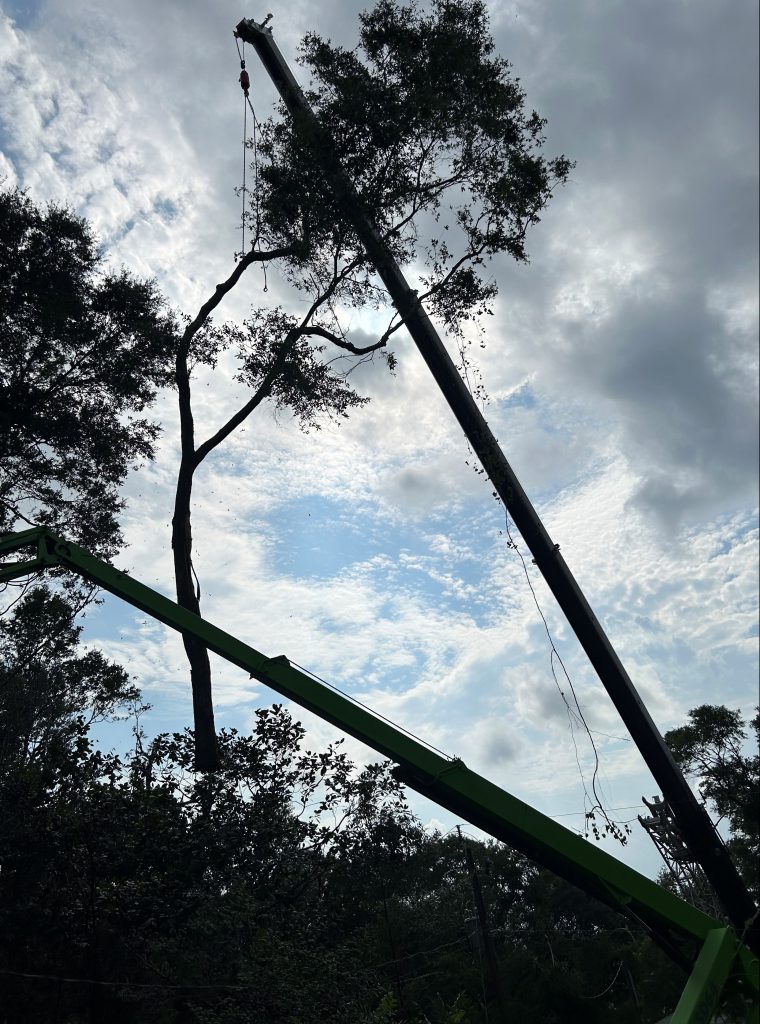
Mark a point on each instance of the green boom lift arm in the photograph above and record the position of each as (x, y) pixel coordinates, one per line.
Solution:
(697, 942)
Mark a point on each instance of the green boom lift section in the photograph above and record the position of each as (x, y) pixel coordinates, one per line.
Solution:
(702, 945)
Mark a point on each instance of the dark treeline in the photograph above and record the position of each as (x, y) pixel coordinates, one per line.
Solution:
(288, 887)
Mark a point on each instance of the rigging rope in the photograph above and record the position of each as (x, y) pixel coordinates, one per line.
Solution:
(245, 85)
(245, 162)
(611, 827)
(594, 798)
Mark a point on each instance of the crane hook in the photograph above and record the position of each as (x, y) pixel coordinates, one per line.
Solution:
(245, 81)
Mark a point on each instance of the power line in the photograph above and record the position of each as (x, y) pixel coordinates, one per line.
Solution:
(375, 714)
(420, 952)
(122, 984)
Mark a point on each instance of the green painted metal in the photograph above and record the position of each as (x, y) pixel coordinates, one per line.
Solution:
(703, 990)
(677, 926)
(37, 536)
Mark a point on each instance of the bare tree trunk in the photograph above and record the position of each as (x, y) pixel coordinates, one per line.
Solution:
(206, 751)
(188, 595)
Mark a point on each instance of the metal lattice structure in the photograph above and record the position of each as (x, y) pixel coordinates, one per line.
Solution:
(688, 877)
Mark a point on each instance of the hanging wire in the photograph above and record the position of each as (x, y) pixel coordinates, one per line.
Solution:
(573, 712)
(606, 990)
(375, 714)
(256, 202)
(247, 104)
(245, 163)
(255, 170)
(123, 984)
(241, 58)
(420, 952)
(576, 713)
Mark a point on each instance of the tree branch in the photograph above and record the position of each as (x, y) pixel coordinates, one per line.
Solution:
(469, 256)
(182, 373)
(254, 256)
(322, 332)
(255, 400)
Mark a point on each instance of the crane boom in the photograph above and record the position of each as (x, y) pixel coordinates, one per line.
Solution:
(697, 829)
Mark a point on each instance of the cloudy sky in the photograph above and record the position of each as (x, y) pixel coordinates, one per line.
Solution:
(621, 366)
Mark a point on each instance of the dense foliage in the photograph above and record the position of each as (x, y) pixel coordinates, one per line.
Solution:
(711, 748)
(82, 352)
(432, 131)
(287, 887)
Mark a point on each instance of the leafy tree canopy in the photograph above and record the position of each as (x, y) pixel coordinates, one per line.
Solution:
(51, 691)
(710, 749)
(82, 352)
(432, 130)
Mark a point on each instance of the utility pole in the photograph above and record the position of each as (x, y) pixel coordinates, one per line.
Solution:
(694, 822)
(485, 932)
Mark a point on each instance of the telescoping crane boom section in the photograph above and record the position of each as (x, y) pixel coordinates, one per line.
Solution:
(696, 941)
(698, 832)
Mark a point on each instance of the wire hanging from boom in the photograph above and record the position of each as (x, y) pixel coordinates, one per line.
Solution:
(245, 84)
(616, 829)
(245, 155)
